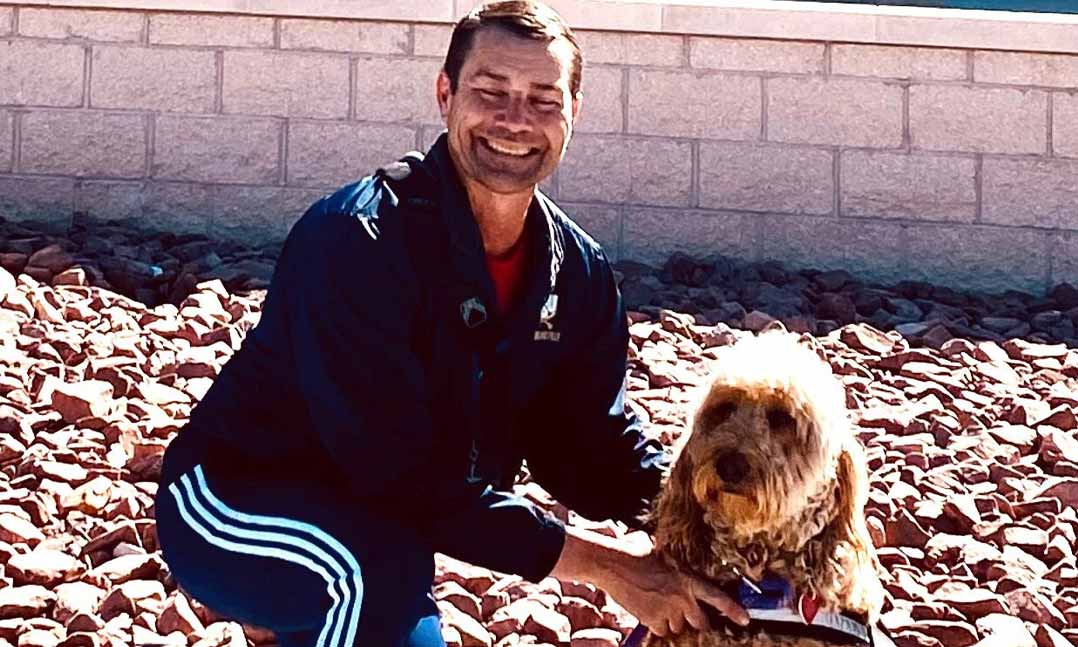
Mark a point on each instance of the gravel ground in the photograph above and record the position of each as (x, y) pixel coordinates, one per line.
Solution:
(965, 403)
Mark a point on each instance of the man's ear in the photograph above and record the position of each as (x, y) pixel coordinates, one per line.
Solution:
(578, 100)
(443, 93)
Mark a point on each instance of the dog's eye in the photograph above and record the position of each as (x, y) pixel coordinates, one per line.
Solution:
(721, 413)
(779, 419)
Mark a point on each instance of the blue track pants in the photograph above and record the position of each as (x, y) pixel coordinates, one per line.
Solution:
(297, 559)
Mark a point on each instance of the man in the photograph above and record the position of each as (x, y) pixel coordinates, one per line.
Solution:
(426, 330)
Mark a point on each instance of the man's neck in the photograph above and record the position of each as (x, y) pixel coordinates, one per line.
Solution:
(500, 216)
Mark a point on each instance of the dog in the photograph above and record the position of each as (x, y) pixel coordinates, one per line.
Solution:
(770, 483)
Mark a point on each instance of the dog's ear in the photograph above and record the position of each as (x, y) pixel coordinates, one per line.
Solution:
(678, 518)
(848, 546)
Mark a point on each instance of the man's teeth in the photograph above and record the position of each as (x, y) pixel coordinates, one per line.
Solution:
(506, 148)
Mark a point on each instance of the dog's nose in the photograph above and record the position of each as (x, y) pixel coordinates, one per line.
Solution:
(732, 467)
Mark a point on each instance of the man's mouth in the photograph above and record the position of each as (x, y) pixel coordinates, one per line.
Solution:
(503, 147)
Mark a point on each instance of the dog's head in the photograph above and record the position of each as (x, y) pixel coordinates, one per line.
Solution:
(768, 438)
(771, 459)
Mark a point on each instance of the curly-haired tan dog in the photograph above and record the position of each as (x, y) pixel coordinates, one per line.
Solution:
(771, 479)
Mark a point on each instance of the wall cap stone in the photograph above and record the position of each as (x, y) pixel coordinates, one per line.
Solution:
(779, 19)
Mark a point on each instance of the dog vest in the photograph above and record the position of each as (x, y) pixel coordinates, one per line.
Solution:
(775, 608)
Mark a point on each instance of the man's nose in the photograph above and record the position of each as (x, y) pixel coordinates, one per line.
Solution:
(514, 115)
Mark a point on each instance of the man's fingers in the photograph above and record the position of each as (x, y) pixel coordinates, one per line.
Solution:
(696, 617)
(677, 623)
(707, 592)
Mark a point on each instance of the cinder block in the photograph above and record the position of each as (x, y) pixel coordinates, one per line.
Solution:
(7, 20)
(252, 215)
(109, 200)
(1022, 68)
(601, 110)
(1065, 124)
(627, 170)
(330, 154)
(397, 90)
(694, 104)
(601, 222)
(34, 73)
(1064, 253)
(872, 251)
(757, 55)
(7, 141)
(883, 61)
(846, 112)
(40, 200)
(345, 36)
(81, 143)
(978, 258)
(286, 84)
(217, 149)
(171, 80)
(766, 177)
(210, 30)
(978, 119)
(179, 208)
(257, 215)
(621, 48)
(1036, 193)
(652, 235)
(432, 40)
(877, 184)
(99, 25)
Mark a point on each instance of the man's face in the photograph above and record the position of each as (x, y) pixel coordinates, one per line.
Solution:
(512, 115)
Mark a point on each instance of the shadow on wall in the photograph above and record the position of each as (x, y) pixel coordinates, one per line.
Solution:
(760, 295)
(155, 267)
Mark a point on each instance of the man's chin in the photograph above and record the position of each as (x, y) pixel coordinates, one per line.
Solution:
(504, 182)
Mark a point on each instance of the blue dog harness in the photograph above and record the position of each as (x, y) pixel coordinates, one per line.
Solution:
(776, 608)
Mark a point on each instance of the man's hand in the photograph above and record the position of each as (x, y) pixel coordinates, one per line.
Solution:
(663, 598)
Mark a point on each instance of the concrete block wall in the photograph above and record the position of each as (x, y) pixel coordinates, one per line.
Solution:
(897, 160)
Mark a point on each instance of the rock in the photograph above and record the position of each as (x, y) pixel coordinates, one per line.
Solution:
(1004, 629)
(596, 637)
(44, 567)
(82, 399)
(29, 601)
(17, 530)
(128, 567)
(77, 598)
(178, 616)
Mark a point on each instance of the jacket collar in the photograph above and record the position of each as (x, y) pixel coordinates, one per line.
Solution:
(466, 243)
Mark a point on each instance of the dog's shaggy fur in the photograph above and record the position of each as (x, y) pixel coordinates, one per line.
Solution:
(770, 479)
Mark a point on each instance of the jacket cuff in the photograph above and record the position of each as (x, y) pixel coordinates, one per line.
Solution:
(550, 539)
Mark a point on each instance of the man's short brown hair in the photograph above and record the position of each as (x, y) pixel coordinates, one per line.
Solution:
(524, 18)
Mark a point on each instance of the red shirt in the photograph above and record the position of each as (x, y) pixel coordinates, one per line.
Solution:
(508, 270)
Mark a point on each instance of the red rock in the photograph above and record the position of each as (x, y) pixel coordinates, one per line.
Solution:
(1049, 637)
(595, 637)
(30, 601)
(16, 529)
(1064, 489)
(472, 632)
(581, 613)
(1001, 629)
(455, 594)
(975, 603)
(1033, 607)
(82, 399)
(128, 567)
(949, 633)
(42, 566)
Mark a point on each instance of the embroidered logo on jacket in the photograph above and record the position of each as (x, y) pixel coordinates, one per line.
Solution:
(546, 331)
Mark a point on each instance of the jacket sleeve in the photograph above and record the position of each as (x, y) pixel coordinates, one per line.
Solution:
(348, 310)
(585, 447)
(350, 306)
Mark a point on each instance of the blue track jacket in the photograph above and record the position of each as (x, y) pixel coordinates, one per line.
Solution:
(379, 366)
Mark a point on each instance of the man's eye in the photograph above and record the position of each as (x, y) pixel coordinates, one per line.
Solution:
(548, 105)
(490, 94)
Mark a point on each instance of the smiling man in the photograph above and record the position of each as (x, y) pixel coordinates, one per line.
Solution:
(427, 330)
